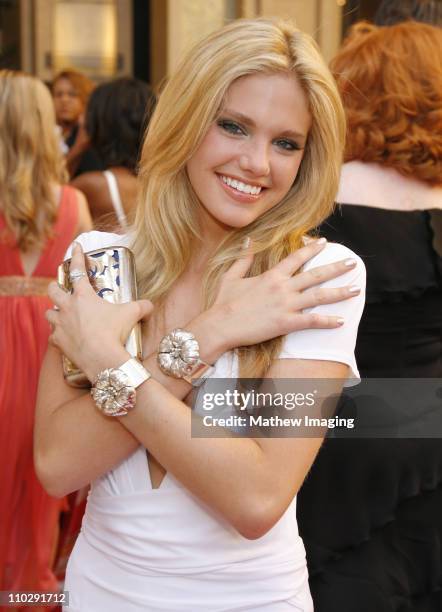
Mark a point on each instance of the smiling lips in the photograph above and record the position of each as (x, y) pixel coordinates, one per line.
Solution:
(240, 186)
(240, 190)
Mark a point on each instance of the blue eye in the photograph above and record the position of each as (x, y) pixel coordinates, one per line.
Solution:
(287, 145)
(230, 126)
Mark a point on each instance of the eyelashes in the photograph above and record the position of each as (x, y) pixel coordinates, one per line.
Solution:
(288, 145)
(231, 127)
(236, 129)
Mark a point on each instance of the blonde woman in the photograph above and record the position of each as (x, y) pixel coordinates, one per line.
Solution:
(240, 162)
(39, 217)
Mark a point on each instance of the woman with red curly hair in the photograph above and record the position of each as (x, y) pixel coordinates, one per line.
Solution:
(370, 512)
(390, 195)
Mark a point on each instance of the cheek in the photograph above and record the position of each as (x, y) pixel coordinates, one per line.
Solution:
(210, 154)
(196, 174)
(215, 150)
(193, 167)
(287, 173)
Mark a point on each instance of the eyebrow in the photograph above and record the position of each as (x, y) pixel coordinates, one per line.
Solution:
(249, 121)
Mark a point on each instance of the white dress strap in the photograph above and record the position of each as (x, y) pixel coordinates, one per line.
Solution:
(115, 197)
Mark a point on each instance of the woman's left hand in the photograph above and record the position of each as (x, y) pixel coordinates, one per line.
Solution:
(88, 330)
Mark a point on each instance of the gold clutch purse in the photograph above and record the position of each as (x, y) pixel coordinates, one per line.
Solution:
(111, 272)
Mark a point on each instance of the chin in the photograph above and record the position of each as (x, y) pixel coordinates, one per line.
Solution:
(236, 221)
(236, 217)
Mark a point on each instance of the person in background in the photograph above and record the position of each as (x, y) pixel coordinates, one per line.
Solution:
(383, 496)
(70, 91)
(39, 217)
(117, 114)
(390, 79)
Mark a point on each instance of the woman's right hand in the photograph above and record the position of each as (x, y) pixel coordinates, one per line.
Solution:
(251, 310)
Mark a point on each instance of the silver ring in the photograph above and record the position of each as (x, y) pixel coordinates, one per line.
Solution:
(75, 275)
(55, 307)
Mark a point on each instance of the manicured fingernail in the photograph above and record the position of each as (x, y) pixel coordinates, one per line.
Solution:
(340, 321)
(350, 262)
(321, 241)
(354, 289)
(245, 243)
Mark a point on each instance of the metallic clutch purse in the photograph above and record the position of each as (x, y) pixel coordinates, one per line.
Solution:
(111, 272)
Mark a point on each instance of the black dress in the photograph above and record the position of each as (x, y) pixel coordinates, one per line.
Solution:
(370, 511)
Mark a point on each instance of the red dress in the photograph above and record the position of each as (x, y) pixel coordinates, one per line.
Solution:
(28, 515)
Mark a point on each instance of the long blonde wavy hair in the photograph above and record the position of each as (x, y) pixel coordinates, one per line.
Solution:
(167, 216)
(31, 161)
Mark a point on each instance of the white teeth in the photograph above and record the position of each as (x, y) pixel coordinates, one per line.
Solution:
(240, 186)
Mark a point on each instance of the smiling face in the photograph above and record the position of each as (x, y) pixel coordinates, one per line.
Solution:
(250, 156)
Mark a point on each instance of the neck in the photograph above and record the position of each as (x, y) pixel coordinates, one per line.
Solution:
(377, 186)
(213, 232)
(66, 127)
(200, 258)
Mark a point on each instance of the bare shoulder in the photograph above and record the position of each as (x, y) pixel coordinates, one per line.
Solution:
(81, 198)
(84, 223)
(89, 182)
(94, 187)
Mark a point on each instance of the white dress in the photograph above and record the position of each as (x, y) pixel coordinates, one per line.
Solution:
(163, 550)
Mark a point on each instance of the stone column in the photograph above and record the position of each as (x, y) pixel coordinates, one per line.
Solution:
(188, 22)
(320, 18)
(177, 24)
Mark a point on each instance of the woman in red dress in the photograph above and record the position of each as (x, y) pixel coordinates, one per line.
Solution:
(39, 217)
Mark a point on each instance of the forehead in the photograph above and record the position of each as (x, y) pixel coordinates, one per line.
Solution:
(65, 84)
(277, 100)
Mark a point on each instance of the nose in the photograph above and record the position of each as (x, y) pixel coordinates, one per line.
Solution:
(255, 158)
